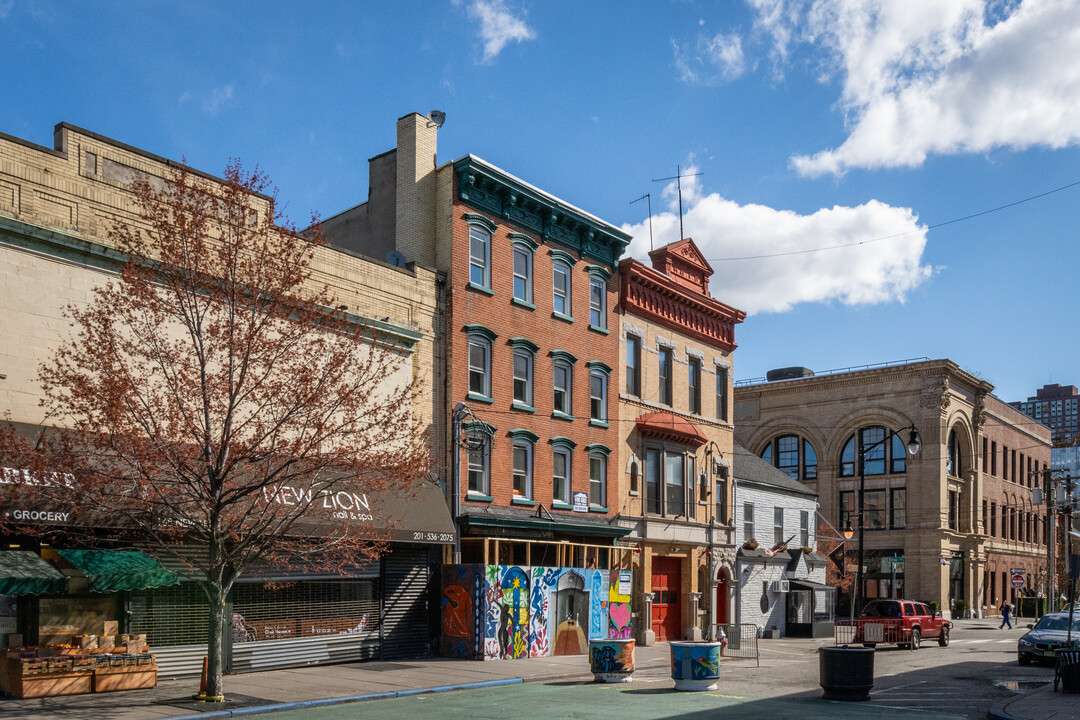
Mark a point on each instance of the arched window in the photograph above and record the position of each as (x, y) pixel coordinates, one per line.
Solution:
(954, 463)
(880, 457)
(793, 455)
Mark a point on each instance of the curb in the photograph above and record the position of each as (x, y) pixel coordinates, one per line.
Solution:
(307, 704)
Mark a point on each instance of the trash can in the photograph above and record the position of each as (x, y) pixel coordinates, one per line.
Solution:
(846, 673)
(1067, 671)
(695, 665)
(612, 661)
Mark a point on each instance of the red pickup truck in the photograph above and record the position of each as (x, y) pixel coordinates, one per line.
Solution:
(904, 622)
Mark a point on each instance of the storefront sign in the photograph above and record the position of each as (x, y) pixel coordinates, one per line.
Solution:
(581, 502)
(50, 517)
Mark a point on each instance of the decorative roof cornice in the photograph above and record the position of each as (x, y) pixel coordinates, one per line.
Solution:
(651, 294)
(492, 190)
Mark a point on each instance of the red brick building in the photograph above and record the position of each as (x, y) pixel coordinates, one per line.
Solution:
(531, 348)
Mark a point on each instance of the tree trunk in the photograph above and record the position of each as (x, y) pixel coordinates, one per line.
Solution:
(215, 662)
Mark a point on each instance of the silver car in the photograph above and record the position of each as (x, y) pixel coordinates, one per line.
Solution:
(1046, 637)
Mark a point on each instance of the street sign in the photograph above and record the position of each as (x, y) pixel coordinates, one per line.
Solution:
(1017, 571)
(890, 564)
(1017, 580)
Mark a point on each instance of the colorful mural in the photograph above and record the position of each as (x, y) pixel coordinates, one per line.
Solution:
(461, 608)
(510, 612)
(611, 660)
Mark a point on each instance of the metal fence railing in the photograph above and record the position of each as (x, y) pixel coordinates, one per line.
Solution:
(742, 641)
(854, 632)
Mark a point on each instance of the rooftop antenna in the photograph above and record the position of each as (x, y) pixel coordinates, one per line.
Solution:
(678, 181)
(647, 197)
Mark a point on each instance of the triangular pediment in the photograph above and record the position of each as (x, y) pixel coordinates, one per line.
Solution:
(683, 262)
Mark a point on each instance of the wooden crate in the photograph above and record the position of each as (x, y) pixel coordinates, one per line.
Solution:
(130, 677)
(35, 686)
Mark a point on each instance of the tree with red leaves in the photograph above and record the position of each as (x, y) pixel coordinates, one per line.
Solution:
(834, 548)
(214, 394)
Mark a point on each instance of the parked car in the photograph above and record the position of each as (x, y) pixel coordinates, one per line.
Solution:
(1046, 637)
(904, 622)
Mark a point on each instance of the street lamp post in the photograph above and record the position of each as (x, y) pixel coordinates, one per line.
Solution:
(913, 445)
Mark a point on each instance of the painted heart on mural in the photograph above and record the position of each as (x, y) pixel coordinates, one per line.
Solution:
(619, 614)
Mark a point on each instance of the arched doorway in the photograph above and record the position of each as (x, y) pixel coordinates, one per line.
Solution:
(721, 597)
(571, 615)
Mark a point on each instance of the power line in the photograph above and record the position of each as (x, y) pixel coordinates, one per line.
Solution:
(902, 234)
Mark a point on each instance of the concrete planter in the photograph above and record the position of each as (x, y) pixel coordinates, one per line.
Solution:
(695, 665)
(846, 673)
(612, 661)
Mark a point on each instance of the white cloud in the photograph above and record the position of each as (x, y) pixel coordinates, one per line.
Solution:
(878, 271)
(925, 77)
(710, 60)
(498, 26)
(218, 98)
(212, 103)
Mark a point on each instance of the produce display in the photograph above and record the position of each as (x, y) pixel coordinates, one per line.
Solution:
(78, 667)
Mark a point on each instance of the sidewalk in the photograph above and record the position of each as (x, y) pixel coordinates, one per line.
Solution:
(172, 698)
(1041, 704)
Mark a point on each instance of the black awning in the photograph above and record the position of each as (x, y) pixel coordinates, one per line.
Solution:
(811, 585)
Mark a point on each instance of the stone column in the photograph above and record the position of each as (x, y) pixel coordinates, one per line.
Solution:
(646, 636)
(694, 632)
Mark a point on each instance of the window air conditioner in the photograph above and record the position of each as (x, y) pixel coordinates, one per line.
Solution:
(779, 586)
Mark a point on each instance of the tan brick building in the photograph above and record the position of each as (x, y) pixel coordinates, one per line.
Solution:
(940, 510)
(675, 441)
(56, 207)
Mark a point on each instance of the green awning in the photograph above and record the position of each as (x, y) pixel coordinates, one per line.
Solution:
(113, 570)
(23, 572)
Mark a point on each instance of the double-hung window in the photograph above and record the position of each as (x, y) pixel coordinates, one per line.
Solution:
(633, 365)
(667, 363)
(523, 377)
(479, 366)
(560, 475)
(694, 386)
(597, 396)
(778, 526)
(675, 483)
(597, 311)
(479, 256)
(522, 469)
(562, 384)
(804, 528)
(597, 479)
(748, 521)
(561, 283)
(522, 274)
(721, 393)
(479, 465)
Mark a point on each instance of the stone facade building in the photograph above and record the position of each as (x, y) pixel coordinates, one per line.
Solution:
(675, 441)
(939, 510)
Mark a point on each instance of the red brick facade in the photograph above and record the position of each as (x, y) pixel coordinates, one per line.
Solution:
(496, 312)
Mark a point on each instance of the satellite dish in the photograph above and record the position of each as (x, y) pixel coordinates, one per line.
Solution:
(438, 117)
(395, 258)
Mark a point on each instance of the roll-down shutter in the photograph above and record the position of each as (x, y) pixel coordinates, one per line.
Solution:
(406, 580)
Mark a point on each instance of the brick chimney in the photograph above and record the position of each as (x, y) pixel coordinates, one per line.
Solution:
(415, 218)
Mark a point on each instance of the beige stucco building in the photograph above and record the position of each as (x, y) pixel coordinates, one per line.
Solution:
(939, 510)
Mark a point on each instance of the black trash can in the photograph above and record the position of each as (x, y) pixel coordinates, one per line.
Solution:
(846, 673)
(1068, 671)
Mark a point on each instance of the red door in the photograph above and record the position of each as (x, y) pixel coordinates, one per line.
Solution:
(721, 597)
(666, 581)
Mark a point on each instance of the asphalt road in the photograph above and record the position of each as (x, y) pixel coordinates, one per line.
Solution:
(960, 682)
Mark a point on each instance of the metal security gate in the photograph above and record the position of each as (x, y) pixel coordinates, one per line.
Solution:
(174, 620)
(303, 623)
(405, 623)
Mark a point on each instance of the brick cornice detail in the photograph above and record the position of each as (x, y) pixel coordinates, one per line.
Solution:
(649, 294)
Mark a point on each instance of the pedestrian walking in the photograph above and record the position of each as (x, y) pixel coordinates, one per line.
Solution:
(1006, 611)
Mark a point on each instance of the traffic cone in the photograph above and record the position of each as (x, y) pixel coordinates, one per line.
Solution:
(201, 696)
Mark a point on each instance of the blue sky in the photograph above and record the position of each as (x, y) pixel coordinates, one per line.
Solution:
(813, 123)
